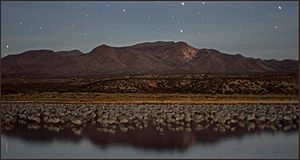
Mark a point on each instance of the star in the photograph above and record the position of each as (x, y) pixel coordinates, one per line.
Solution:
(182, 3)
(199, 32)
(148, 17)
(279, 7)
(124, 10)
(107, 5)
(85, 34)
(276, 27)
(203, 3)
(181, 31)
(41, 27)
(7, 46)
(20, 22)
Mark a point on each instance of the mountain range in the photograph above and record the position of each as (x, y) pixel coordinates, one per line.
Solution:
(143, 58)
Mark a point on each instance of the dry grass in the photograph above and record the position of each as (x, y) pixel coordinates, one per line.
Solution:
(149, 98)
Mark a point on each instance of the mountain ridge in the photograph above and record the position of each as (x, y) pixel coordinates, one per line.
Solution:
(160, 57)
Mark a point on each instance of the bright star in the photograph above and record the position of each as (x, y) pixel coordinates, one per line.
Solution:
(7, 46)
(275, 27)
(20, 22)
(124, 10)
(182, 3)
(203, 3)
(181, 30)
(279, 7)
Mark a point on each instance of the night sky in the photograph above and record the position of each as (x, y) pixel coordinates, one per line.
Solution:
(254, 29)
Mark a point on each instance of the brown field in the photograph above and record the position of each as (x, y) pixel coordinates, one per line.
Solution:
(181, 89)
(149, 98)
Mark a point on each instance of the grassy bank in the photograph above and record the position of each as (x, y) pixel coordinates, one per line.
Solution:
(71, 97)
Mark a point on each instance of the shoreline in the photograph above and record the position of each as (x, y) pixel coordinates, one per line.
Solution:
(145, 98)
(158, 102)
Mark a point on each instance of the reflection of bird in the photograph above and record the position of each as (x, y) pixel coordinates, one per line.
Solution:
(189, 140)
(147, 138)
(6, 147)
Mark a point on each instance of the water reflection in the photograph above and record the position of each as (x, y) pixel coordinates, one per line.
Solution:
(148, 138)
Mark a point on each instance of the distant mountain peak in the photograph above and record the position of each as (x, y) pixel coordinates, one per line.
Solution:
(182, 43)
(154, 43)
(40, 51)
(75, 50)
(102, 47)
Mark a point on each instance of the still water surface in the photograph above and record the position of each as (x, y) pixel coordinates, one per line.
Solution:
(149, 143)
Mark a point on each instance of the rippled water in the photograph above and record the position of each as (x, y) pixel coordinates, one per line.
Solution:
(21, 142)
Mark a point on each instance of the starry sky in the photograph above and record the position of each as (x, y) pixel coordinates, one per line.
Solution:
(264, 30)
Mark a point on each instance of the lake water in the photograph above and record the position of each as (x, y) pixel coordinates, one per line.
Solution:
(21, 142)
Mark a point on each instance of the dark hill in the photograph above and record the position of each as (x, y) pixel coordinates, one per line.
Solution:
(144, 58)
